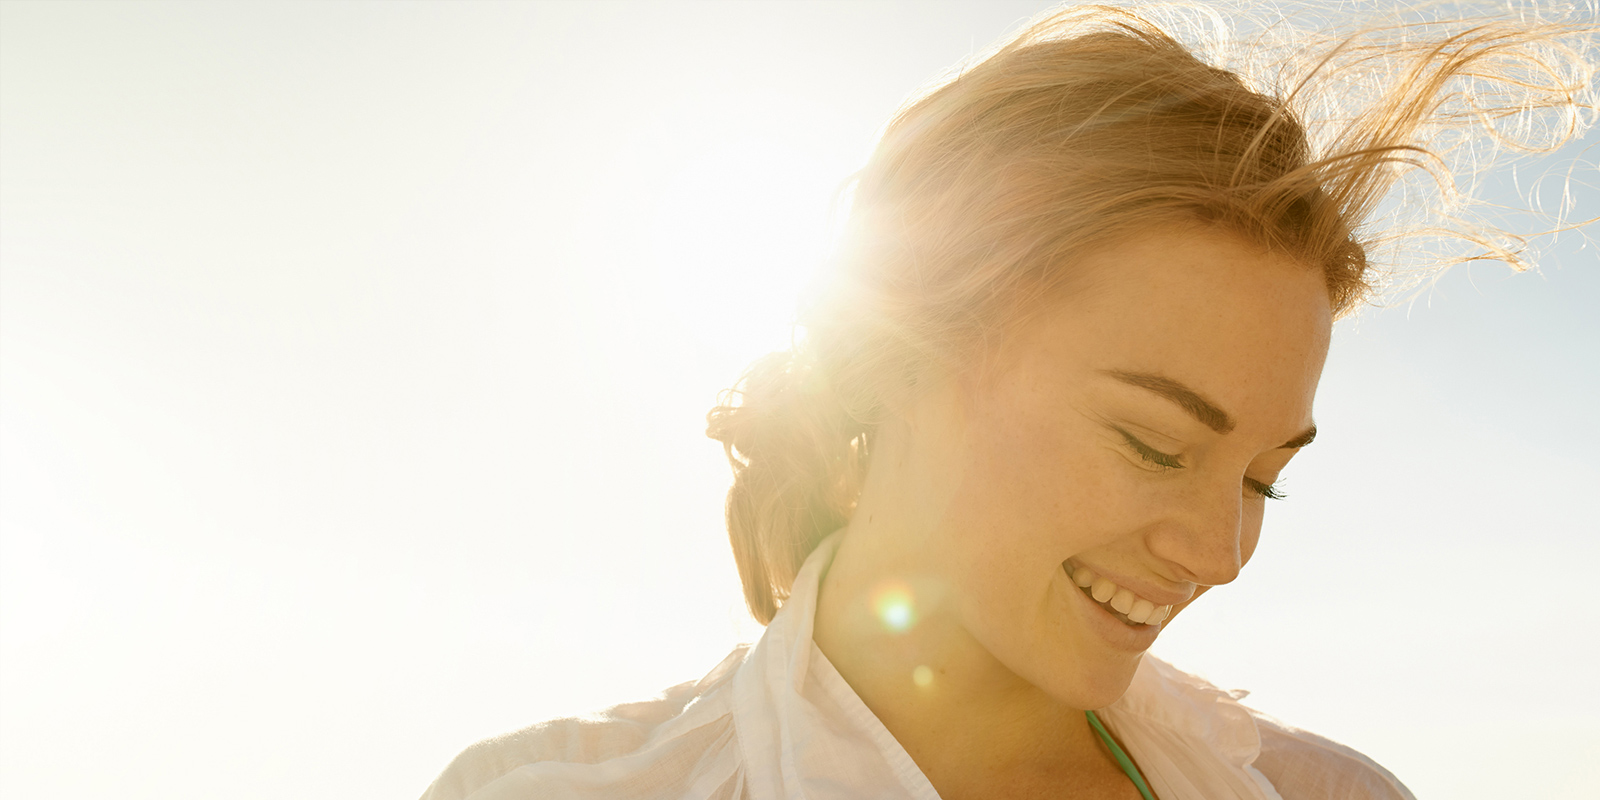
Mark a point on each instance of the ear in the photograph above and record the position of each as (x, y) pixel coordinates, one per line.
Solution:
(899, 399)
(939, 406)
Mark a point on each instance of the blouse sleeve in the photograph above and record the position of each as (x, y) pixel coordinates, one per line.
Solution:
(578, 740)
(1304, 766)
(610, 734)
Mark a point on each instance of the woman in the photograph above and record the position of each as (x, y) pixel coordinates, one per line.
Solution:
(1083, 305)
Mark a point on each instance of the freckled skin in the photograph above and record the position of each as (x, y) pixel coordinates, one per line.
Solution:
(982, 487)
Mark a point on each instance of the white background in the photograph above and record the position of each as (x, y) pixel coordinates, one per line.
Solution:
(355, 359)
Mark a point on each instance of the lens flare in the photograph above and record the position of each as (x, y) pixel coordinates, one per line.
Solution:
(922, 676)
(893, 604)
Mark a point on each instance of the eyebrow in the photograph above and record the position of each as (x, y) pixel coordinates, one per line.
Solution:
(1198, 406)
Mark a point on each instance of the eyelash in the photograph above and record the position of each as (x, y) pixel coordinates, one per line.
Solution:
(1267, 490)
(1168, 461)
(1150, 454)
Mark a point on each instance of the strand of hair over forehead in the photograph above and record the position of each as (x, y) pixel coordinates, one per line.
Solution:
(1401, 112)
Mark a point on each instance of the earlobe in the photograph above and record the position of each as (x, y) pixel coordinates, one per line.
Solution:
(899, 411)
(913, 398)
(941, 407)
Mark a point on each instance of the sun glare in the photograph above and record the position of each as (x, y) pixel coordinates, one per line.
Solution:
(893, 604)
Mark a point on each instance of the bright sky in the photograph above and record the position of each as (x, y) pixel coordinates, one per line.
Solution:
(354, 361)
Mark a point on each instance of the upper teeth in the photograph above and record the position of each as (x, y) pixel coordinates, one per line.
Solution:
(1135, 608)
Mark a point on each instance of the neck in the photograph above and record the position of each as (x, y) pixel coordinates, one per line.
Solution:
(894, 634)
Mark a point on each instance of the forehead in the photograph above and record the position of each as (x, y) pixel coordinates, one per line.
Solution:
(1245, 325)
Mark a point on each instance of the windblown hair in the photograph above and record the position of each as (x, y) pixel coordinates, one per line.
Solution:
(1091, 125)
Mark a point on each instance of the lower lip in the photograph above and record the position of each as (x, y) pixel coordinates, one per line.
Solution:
(1114, 631)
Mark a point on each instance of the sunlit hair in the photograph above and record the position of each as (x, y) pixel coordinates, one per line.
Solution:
(1092, 125)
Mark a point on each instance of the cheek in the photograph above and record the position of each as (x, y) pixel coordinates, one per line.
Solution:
(1037, 486)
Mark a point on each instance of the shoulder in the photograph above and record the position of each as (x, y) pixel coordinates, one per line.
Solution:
(617, 731)
(612, 733)
(1304, 766)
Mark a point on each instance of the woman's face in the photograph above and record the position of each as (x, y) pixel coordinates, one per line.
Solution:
(1129, 438)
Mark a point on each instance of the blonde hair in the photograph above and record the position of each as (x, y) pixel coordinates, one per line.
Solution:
(1089, 125)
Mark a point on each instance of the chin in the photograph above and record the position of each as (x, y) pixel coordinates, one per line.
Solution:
(1087, 683)
(1102, 687)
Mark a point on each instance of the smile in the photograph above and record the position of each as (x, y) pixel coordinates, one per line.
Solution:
(1121, 603)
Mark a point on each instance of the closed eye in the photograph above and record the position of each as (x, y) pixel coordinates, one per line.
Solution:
(1166, 461)
(1148, 453)
(1267, 490)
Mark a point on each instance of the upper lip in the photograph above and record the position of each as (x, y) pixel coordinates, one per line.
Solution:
(1143, 588)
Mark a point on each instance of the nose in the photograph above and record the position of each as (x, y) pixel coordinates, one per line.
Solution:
(1202, 540)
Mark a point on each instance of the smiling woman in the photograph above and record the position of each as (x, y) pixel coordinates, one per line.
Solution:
(1124, 442)
(1081, 311)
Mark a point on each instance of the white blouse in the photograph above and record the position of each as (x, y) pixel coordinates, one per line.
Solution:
(776, 720)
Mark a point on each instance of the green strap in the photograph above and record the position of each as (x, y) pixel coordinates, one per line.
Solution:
(1121, 757)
